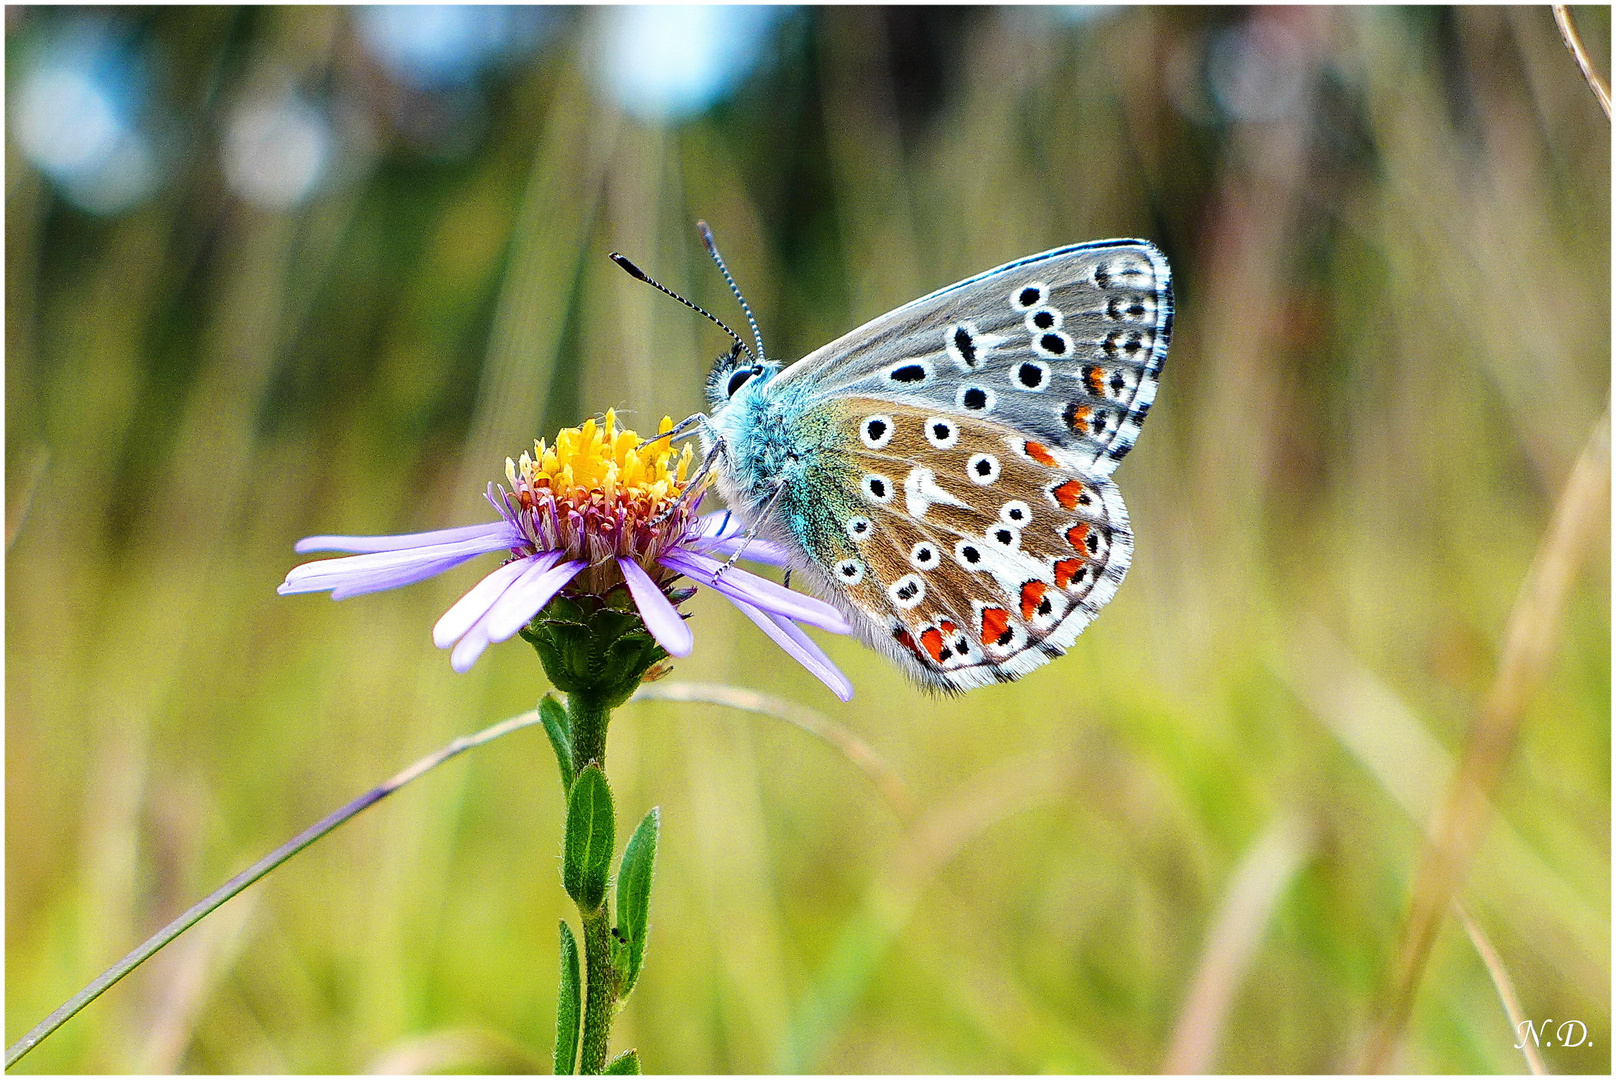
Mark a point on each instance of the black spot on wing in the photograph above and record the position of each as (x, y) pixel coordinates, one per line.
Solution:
(965, 345)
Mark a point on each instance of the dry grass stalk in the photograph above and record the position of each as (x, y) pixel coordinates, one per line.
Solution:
(1505, 985)
(873, 765)
(21, 496)
(1254, 892)
(1529, 643)
(930, 843)
(457, 1050)
(197, 966)
(1573, 40)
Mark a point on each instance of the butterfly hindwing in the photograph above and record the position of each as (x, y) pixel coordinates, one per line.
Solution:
(1066, 347)
(974, 552)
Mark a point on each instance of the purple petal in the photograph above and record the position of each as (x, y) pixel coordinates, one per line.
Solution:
(469, 648)
(523, 600)
(469, 609)
(801, 648)
(371, 544)
(377, 581)
(660, 616)
(757, 550)
(724, 530)
(739, 585)
(364, 569)
(722, 525)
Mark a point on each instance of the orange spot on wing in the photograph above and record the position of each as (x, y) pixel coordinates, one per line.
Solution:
(947, 627)
(907, 640)
(932, 639)
(1066, 494)
(995, 621)
(1077, 534)
(1039, 453)
(1077, 417)
(1031, 594)
(1065, 570)
(1095, 379)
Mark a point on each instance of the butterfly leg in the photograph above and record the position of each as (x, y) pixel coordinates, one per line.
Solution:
(694, 484)
(779, 489)
(681, 428)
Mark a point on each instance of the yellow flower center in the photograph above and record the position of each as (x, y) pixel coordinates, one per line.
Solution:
(596, 465)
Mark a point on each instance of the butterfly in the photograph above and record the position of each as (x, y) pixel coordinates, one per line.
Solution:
(942, 474)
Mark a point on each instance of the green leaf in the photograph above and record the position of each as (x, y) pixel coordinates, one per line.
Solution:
(634, 894)
(625, 1064)
(569, 1005)
(586, 860)
(560, 732)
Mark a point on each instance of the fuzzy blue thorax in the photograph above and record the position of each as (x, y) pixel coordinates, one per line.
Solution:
(779, 433)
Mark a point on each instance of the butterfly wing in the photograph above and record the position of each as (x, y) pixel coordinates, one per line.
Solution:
(1066, 346)
(972, 552)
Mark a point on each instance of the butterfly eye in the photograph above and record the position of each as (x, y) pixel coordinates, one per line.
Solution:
(960, 341)
(1054, 344)
(1120, 310)
(1126, 342)
(740, 379)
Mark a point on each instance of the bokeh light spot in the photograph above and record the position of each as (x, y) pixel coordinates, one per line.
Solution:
(276, 151)
(430, 46)
(668, 63)
(73, 117)
(65, 122)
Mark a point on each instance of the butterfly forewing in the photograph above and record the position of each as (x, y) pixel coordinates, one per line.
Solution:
(974, 552)
(1066, 346)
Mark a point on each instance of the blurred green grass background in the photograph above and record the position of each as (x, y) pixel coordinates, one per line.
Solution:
(314, 289)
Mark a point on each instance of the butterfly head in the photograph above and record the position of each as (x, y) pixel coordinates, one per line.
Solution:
(735, 374)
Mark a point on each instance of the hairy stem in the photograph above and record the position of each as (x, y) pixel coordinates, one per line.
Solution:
(588, 714)
(600, 999)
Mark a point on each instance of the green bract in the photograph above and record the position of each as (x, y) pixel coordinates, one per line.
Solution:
(599, 647)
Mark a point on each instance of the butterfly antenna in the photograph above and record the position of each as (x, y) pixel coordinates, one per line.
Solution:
(636, 272)
(712, 249)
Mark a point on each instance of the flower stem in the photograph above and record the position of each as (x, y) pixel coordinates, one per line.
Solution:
(600, 1000)
(588, 714)
(596, 650)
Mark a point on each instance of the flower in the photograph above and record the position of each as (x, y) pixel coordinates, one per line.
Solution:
(595, 511)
